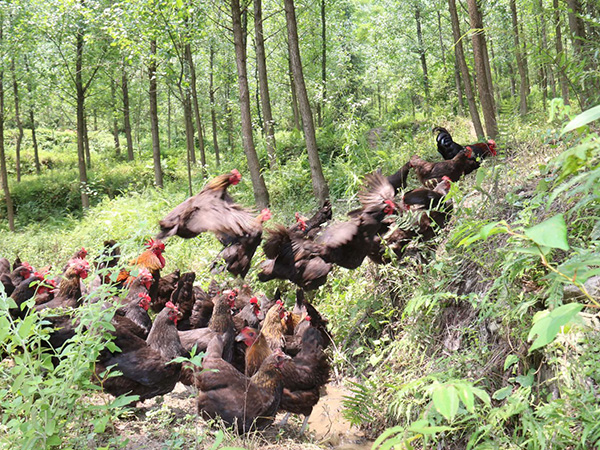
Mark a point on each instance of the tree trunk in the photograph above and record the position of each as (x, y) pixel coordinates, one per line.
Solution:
(524, 86)
(168, 118)
(295, 110)
(320, 188)
(560, 55)
(464, 70)
(17, 119)
(213, 113)
(158, 175)
(86, 140)
(265, 98)
(421, 50)
(486, 94)
(126, 121)
(189, 133)
(36, 154)
(261, 195)
(321, 104)
(459, 90)
(442, 49)
(543, 48)
(201, 147)
(115, 114)
(30, 90)
(3, 172)
(229, 115)
(85, 201)
(576, 26)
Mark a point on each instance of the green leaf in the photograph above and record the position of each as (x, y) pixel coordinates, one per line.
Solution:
(445, 400)
(547, 326)
(582, 119)
(550, 233)
(385, 435)
(510, 360)
(525, 380)
(537, 250)
(501, 394)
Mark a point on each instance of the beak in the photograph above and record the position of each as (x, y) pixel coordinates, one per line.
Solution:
(239, 338)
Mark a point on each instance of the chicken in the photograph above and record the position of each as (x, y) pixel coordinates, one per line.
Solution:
(249, 316)
(13, 279)
(347, 244)
(210, 210)
(310, 227)
(430, 174)
(166, 286)
(219, 324)
(137, 312)
(243, 403)
(294, 258)
(108, 259)
(303, 375)
(145, 365)
(449, 149)
(153, 260)
(69, 290)
(398, 179)
(183, 298)
(240, 248)
(272, 328)
(202, 310)
(34, 286)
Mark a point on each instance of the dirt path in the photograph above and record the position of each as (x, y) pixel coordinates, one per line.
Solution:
(171, 422)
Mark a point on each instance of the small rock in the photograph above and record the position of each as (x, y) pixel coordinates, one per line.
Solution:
(592, 285)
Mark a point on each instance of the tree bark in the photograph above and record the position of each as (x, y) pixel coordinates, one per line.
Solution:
(189, 134)
(10, 214)
(213, 113)
(295, 110)
(442, 49)
(486, 94)
(199, 126)
(17, 119)
(576, 26)
(85, 201)
(320, 188)
(459, 90)
(464, 70)
(321, 104)
(560, 55)
(261, 195)
(86, 140)
(115, 121)
(126, 120)
(265, 98)
(421, 50)
(158, 175)
(543, 48)
(36, 155)
(524, 85)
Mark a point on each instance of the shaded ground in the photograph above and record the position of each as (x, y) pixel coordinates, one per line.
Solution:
(171, 422)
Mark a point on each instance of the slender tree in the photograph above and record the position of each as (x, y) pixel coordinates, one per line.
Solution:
(196, 104)
(521, 65)
(421, 51)
(261, 195)
(265, 98)
(126, 120)
(30, 90)
(115, 116)
(3, 172)
(80, 90)
(320, 188)
(213, 113)
(560, 54)
(484, 86)
(464, 70)
(158, 175)
(17, 119)
(321, 104)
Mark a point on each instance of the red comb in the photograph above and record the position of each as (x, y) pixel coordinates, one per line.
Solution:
(254, 300)
(171, 305)
(307, 318)
(446, 178)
